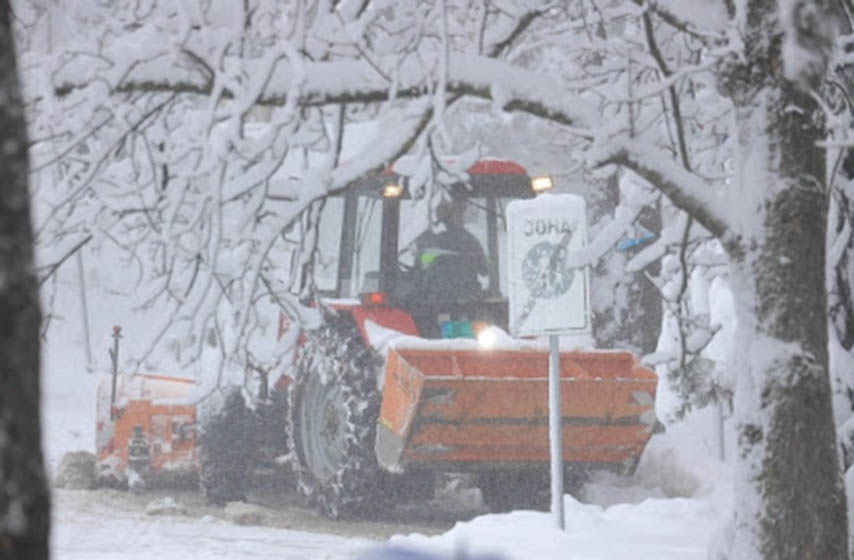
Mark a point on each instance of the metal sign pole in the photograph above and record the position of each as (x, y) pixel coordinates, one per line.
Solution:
(555, 431)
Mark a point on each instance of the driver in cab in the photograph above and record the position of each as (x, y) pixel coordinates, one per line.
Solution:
(449, 258)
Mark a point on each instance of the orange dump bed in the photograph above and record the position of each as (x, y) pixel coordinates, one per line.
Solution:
(460, 408)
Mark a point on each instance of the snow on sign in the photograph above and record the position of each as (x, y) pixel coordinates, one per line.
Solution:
(547, 295)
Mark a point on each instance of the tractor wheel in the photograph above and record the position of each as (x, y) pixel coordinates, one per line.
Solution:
(224, 450)
(334, 406)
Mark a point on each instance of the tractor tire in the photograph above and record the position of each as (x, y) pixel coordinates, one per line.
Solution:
(334, 407)
(224, 452)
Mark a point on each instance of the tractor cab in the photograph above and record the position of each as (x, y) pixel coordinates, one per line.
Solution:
(373, 240)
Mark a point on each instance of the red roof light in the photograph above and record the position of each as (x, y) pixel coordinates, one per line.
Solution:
(375, 299)
(482, 167)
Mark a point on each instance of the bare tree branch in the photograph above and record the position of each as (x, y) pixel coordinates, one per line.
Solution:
(52, 268)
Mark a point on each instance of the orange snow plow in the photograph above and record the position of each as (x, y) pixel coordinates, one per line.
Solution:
(462, 409)
(146, 431)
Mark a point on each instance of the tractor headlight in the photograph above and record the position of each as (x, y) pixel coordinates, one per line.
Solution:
(491, 337)
(393, 190)
(487, 338)
(541, 184)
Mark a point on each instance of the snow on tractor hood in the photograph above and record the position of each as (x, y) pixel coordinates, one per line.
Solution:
(491, 339)
(494, 339)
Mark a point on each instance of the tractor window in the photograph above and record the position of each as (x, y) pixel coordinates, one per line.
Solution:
(475, 215)
(365, 244)
(414, 220)
(329, 236)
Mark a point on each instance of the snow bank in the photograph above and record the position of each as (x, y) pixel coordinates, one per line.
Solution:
(656, 529)
(671, 509)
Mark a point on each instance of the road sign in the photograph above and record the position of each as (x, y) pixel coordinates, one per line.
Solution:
(548, 295)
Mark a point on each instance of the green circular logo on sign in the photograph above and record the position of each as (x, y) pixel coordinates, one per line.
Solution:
(545, 271)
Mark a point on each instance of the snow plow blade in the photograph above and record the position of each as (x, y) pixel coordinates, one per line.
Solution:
(151, 428)
(457, 409)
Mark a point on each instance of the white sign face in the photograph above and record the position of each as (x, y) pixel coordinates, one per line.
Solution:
(547, 295)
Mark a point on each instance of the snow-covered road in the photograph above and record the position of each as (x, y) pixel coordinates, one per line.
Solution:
(110, 525)
(92, 526)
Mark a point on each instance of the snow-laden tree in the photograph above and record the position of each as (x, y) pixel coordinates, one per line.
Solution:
(771, 217)
(147, 116)
(24, 497)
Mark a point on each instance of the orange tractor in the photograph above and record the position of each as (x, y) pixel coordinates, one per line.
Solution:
(395, 385)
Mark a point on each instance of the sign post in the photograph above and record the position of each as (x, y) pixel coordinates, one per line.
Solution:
(555, 431)
(548, 296)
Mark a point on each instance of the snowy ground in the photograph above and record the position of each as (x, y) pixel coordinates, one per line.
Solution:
(97, 526)
(655, 529)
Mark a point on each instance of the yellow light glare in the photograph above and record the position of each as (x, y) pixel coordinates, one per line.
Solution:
(393, 190)
(541, 184)
(487, 338)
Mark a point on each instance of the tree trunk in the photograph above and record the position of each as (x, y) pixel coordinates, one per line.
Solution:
(790, 501)
(24, 499)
